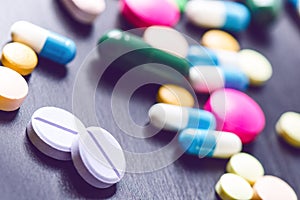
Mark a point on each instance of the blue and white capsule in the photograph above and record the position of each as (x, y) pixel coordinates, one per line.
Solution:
(227, 15)
(47, 44)
(209, 143)
(175, 118)
(296, 5)
(206, 79)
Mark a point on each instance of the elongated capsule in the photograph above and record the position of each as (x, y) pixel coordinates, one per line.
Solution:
(256, 66)
(208, 143)
(46, 43)
(174, 118)
(132, 51)
(208, 78)
(296, 5)
(226, 15)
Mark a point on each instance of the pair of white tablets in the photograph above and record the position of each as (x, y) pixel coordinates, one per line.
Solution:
(96, 154)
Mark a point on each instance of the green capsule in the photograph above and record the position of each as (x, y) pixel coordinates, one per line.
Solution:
(264, 12)
(132, 51)
(181, 4)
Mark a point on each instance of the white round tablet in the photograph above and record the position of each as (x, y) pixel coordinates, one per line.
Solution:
(166, 39)
(98, 157)
(52, 130)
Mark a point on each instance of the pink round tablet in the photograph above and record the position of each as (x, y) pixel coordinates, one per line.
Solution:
(236, 112)
(144, 13)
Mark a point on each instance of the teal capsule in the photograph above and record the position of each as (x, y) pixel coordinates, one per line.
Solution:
(132, 51)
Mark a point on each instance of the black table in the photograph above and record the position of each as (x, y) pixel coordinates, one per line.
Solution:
(25, 173)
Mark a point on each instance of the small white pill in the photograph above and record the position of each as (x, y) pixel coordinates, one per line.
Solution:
(98, 157)
(52, 131)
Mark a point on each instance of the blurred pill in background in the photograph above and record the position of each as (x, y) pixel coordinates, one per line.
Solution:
(166, 39)
(175, 95)
(150, 12)
(227, 15)
(236, 112)
(84, 11)
(174, 118)
(98, 157)
(217, 39)
(52, 131)
(207, 79)
(289, 129)
(47, 44)
(181, 4)
(296, 5)
(264, 12)
(19, 57)
(273, 188)
(13, 89)
(246, 166)
(209, 143)
(233, 187)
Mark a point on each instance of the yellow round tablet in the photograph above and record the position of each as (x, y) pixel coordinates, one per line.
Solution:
(13, 89)
(233, 187)
(173, 94)
(19, 57)
(288, 128)
(217, 39)
(246, 166)
(255, 66)
(273, 188)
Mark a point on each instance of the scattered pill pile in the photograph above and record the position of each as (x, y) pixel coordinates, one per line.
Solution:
(96, 154)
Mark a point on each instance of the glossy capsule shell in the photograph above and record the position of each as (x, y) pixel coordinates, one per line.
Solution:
(226, 15)
(208, 78)
(130, 51)
(47, 44)
(174, 118)
(208, 143)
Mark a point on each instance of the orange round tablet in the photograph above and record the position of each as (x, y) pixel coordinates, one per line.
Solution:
(176, 95)
(221, 40)
(273, 188)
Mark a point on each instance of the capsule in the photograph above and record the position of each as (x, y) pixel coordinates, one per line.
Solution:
(46, 43)
(208, 79)
(174, 118)
(226, 15)
(132, 51)
(252, 63)
(208, 143)
(296, 5)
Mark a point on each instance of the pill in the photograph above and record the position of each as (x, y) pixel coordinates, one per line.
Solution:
(174, 118)
(84, 11)
(163, 38)
(176, 95)
(246, 166)
(208, 79)
(13, 89)
(264, 12)
(150, 12)
(19, 57)
(288, 128)
(217, 39)
(181, 4)
(236, 112)
(233, 187)
(208, 143)
(52, 131)
(98, 157)
(296, 5)
(255, 65)
(231, 16)
(132, 51)
(46, 43)
(273, 188)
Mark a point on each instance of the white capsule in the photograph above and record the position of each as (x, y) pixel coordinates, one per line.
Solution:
(208, 143)
(174, 118)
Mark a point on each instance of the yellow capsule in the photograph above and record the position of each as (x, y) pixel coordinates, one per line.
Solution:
(19, 57)
(173, 94)
(233, 187)
(288, 128)
(246, 166)
(217, 39)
